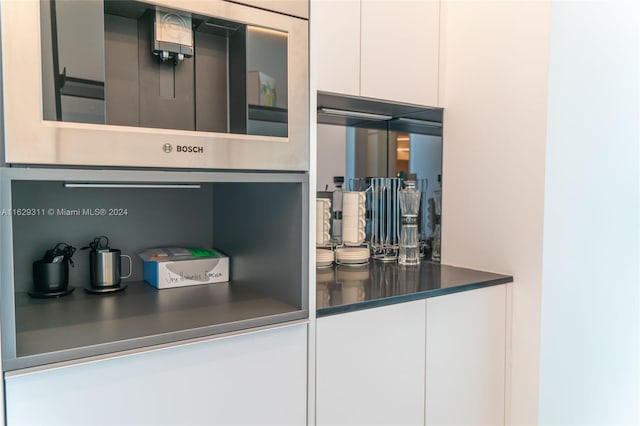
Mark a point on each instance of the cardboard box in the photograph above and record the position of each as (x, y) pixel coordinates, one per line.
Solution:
(261, 89)
(170, 267)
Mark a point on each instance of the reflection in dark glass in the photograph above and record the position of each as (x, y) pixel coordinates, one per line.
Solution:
(266, 82)
(129, 63)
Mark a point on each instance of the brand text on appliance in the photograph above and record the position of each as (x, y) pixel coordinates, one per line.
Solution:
(190, 148)
(195, 149)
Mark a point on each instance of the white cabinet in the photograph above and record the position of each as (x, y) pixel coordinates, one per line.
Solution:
(379, 49)
(255, 378)
(299, 8)
(399, 42)
(370, 366)
(335, 34)
(465, 376)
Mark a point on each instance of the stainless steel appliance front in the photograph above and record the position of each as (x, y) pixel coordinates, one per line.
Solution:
(33, 135)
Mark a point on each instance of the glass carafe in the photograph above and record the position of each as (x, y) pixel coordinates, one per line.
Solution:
(409, 208)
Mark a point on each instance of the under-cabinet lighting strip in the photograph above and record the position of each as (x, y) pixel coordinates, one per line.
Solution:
(131, 185)
(267, 31)
(419, 122)
(354, 114)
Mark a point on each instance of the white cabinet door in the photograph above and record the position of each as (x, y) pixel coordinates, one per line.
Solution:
(370, 366)
(400, 45)
(335, 35)
(253, 379)
(466, 358)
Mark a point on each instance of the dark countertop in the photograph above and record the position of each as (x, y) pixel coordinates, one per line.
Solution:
(344, 288)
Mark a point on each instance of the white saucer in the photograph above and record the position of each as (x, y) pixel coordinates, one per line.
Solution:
(324, 257)
(352, 255)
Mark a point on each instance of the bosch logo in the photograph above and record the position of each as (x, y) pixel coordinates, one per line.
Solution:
(190, 148)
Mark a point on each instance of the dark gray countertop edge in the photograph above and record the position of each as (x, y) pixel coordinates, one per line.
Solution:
(392, 300)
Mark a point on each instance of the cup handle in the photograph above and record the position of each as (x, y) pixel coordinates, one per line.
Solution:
(130, 266)
(326, 239)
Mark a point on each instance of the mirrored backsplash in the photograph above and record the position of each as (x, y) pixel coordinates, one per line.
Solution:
(373, 144)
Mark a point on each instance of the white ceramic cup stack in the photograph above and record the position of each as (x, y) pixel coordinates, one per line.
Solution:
(353, 217)
(323, 222)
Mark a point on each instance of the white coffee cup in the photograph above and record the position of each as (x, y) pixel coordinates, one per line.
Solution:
(349, 197)
(357, 222)
(353, 218)
(353, 236)
(353, 230)
(353, 200)
(353, 204)
(323, 223)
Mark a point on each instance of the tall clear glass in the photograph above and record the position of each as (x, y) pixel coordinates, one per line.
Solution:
(409, 207)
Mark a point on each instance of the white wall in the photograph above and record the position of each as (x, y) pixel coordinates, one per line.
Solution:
(493, 87)
(590, 341)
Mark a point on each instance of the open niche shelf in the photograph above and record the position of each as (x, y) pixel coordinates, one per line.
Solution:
(259, 220)
(81, 319)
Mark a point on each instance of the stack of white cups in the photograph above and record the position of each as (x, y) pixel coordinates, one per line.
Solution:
(353, 217)
(323, 222)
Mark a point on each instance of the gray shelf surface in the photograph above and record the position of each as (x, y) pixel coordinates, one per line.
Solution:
(83, 324)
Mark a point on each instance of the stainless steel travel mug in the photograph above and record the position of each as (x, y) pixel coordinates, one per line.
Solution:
(105, 267)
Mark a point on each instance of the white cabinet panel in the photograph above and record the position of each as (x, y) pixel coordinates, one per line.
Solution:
(465, 376)
(383, 49)
(400, 44)
(335, 29)
(256, 378)
(370, 366)
(299, 8)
